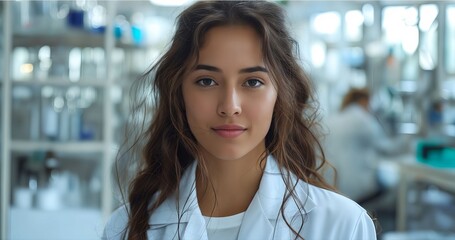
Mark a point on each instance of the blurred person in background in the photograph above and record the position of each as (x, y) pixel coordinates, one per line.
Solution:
(354, 144)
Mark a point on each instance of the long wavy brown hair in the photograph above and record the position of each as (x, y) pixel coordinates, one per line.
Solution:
(168, 146)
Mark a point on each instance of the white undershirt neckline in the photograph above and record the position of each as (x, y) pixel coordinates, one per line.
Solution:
(224, 228)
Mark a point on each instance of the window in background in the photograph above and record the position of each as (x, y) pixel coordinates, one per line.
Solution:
(336, 53)
(448, 84)
(327, 25)
(400, 28)
(401, 36)
(324, 52)
(318, 52)
(353, 26)
(368, 14)
(354, 59)
(428, 25)
(450, 35)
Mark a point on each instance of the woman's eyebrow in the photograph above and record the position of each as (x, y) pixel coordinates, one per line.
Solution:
(243, 70)
(207, 67)
(254, 69)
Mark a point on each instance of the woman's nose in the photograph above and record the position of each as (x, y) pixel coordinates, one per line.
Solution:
(229, 103)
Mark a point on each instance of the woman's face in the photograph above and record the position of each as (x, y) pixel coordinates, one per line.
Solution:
(229, 96)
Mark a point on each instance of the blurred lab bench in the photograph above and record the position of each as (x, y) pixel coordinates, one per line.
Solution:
(412, 171)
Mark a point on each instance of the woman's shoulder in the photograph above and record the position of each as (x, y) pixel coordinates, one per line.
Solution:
(328, 199)
(341, 214)
(116, 225)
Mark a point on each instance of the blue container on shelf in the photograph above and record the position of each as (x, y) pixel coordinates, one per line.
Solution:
(436, 153)
(75, 18)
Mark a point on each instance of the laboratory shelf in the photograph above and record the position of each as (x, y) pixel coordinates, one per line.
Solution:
(69, 147)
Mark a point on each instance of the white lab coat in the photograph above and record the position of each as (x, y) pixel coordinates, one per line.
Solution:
(327, 215)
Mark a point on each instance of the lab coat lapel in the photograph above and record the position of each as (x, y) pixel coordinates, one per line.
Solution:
(182, 210)
(196, 228)
(266, 204)
(273, 188)
(196, 225)
(255, 224)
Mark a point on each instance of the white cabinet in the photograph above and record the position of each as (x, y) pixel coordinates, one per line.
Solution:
(29, 224)
(57, 118)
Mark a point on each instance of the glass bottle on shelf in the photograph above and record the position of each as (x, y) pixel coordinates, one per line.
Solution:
(50, 196)
(26, 184)
(54, 113)
(38, 17)
(50, 180)
(25, 114)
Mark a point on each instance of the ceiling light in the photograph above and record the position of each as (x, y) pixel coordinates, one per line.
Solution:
(171, 3)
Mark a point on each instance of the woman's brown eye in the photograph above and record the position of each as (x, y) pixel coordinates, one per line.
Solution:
(206, 82)
(253, 83)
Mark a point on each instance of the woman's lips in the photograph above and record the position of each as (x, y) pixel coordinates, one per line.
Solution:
(229, 131)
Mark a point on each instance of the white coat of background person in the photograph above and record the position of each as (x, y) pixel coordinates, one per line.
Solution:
(354, 142)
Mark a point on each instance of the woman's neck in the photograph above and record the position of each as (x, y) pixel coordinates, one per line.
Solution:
(230, 186)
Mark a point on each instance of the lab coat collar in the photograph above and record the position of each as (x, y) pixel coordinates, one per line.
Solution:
(264, 206)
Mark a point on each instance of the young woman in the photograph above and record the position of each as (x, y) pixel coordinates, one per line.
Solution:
(232, 150)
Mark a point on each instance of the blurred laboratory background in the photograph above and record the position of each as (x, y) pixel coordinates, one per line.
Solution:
(66, 67)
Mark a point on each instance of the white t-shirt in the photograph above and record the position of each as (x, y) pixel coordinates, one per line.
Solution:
(224, 228)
